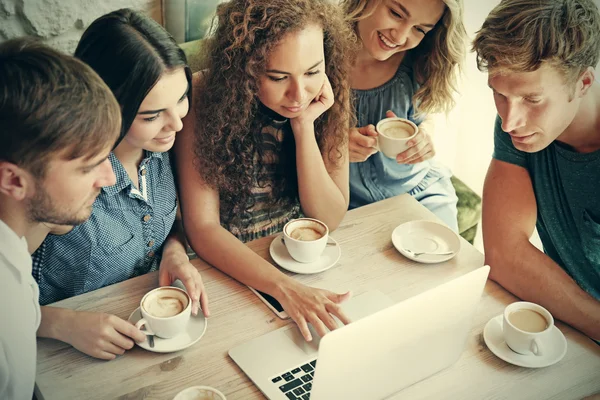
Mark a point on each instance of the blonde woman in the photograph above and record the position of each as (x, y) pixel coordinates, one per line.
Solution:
(406, 67)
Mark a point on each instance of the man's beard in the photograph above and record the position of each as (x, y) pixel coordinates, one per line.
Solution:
(41, 208)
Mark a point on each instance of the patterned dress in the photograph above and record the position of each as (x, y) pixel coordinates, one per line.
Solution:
(263, 218)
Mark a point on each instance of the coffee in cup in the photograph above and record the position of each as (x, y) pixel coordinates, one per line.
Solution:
(165, 311)
(526, 327)
(528, 320)
(165, 302)
(305, 239)
(393, 134)
(200, 393)
(307, 233)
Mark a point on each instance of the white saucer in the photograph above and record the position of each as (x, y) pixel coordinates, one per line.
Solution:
(328, 259)
(494, 339)
(195, 330)
(428, 236)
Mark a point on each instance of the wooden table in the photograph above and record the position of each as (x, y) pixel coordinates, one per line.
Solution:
(369, 261)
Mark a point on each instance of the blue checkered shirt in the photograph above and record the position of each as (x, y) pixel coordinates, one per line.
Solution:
(123, 238)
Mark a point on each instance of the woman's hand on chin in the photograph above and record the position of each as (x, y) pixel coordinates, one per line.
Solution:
(321, 103)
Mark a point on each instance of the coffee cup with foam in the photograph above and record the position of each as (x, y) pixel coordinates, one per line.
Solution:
(165, 312)
(527, 328)
(305, 239)
(394, 134)
(200, 393)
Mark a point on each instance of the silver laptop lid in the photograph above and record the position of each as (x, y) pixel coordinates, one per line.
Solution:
(385, 352)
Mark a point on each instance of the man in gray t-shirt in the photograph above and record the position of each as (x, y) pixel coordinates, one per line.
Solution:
(58, 124)
(546, 166)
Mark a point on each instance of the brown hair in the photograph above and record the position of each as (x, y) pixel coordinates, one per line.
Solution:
(438, 57)
(51, 103)
(229, 139)
(520, 35)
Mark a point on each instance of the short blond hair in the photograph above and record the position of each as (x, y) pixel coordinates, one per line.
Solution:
(521, 35)
(51, 105)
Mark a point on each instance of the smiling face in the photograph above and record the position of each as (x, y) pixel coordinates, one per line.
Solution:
(535, 107)
(295, 72)
(67, 191)
(159, 116)
(395, 26)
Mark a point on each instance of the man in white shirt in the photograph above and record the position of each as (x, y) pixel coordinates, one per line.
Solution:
(58, 123)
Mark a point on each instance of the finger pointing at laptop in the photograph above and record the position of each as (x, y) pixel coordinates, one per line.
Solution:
(305, 305)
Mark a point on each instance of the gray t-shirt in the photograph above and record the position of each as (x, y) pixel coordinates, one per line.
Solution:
(566, 185)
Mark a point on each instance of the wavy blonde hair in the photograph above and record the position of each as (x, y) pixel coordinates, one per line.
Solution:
(230, 141)
(438, 58)
(521, 35)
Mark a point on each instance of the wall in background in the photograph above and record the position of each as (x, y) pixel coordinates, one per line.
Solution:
(189, 20)
(60, 23)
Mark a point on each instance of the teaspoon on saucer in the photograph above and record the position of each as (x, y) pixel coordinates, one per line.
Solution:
(149, 337)
(428, 253)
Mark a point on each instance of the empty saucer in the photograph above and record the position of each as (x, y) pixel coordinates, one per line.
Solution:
(426, 236)
(328, 259)
(494, 339)
(194, 332)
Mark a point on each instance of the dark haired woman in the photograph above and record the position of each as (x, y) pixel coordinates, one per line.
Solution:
(129, 232)
(269, 131)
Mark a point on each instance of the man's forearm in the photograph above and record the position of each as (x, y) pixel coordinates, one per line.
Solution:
(54, 319)
(533, 276)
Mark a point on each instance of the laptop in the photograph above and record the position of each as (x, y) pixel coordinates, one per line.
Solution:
(386, 348)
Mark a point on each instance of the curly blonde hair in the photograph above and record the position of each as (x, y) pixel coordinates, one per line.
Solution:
(229, 141)
(437, 59)
(521, 35)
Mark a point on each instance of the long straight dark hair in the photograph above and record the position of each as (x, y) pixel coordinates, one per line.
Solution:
(130, 52)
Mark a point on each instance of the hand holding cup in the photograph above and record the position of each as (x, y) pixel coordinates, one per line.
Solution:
(165, 312)
(394, 135)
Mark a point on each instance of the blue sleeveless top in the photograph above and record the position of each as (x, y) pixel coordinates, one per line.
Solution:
(380, 177)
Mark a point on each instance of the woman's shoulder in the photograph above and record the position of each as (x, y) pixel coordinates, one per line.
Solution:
(197, 77)
(197, 82)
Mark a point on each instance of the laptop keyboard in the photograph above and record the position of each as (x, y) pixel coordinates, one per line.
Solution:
(297, 382)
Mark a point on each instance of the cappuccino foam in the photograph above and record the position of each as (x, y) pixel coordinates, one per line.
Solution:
(165, 303)
(306, 234)
(199, 394)
(397, 133)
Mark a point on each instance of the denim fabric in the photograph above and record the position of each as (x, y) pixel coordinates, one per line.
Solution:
(123, 238)
(379, 177)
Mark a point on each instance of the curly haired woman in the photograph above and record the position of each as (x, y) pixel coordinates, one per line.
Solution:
(265, 142)
(406, 67)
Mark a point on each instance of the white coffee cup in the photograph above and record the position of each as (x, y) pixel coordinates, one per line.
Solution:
(393, 134)
(524, 339)
(305, 239)
(200, 393)
(165, 311)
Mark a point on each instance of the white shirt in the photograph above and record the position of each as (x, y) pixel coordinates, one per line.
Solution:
(19, 317)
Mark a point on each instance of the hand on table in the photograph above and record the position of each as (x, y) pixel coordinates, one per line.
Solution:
(362, 143)
(101, 335)
(176, 265)
(305, 304)
(420, 148)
